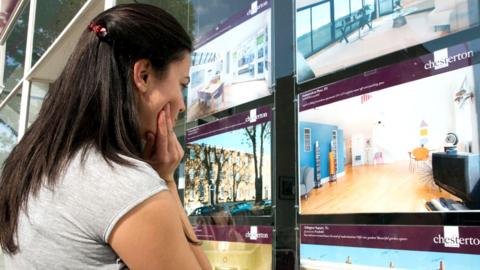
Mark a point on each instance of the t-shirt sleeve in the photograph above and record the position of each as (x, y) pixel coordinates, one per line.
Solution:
(151, 185)
(108, 193)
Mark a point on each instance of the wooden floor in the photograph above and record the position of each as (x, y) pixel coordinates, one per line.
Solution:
(373, 189)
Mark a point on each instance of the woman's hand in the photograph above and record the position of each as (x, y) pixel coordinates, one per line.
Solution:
(163, 151)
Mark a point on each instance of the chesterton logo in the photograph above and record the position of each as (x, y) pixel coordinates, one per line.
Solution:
(253, 117)
(451, 238)
(255, 6)
(253, 234)
(441, 59)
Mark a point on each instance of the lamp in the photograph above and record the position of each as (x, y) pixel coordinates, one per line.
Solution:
(463, 94)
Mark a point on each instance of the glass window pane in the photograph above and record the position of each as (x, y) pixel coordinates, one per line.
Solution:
(356, 5)
(386, 6)
(304, 28)
(370, 3)
(9, 116)
(180, 9)
(342, 8)
(321, 22)
(15, 52)
(37, 94)
(52, 16)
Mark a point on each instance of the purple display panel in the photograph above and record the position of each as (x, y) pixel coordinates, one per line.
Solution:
(237, 247)
(231, 64)
(385, 247)
(419, 238)
(441, 61)
(237, 121)
(333, 36)
(232, 22)
(228, 166)
(244, 234)
(381, 138)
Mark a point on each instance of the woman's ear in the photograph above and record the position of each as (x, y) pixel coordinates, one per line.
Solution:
(142, 70)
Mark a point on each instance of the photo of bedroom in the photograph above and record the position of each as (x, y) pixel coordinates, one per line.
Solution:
(231, 63)
(412, 147)
(335, 34)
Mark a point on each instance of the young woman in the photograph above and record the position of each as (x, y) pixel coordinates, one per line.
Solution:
(90, 185)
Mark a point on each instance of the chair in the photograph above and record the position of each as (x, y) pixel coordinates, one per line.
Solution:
(307, 182)
(419, 155)
(378, 158)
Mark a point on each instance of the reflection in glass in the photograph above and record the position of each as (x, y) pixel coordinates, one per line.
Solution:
(15, 52)
(180, 9)
(38, 91)
(9, 117)
(52, 16)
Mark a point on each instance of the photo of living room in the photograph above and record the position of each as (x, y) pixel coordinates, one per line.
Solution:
(335, 34)
(232, 66)
(412, 147)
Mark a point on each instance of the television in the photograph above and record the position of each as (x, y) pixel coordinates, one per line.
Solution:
(458, 174)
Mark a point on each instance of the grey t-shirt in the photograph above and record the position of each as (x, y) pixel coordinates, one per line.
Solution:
(68, 227)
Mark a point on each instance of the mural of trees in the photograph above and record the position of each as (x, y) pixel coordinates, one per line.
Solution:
(213, 174)
(216, 174)
(257, 135)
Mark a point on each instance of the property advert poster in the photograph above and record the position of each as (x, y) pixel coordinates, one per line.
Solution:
(237, 247)
(334, 35)
(231, 62)
(228, 166)
(401, 138)
(362, 247)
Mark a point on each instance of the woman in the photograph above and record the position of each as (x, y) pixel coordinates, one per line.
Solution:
(80, 191)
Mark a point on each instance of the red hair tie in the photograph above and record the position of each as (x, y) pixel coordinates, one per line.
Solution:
(98, 29)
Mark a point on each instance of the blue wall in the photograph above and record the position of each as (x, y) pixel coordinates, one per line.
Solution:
(323, 134)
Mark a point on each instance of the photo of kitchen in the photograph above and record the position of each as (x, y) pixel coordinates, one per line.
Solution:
(231, 65)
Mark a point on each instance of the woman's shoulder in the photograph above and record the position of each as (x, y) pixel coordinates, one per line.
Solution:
(91, 166)
(101, 192)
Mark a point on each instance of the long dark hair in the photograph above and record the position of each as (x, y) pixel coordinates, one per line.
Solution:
(91, 104)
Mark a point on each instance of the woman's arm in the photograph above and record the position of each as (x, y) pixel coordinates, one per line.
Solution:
(196, 249)
(151, 236)
(164, 153)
